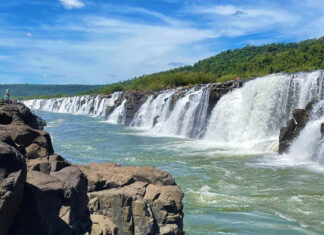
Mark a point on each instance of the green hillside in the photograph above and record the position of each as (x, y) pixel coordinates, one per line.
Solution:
(250, 61)
(32, 90)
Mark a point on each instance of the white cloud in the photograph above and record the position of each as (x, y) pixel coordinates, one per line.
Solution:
(113, 46)
(69, 4)
(231, 20)
(85, 48)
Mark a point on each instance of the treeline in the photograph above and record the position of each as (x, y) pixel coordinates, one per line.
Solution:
(250, 61)
(45, 91)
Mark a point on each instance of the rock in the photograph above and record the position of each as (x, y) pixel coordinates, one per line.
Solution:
(301, 117)
(41, 123)
(54, 196)
(292, 129)
(114, 205)
(135, 200)
(12, 180)
(102, 225)
(135, 99)
(109, 175)
(54, 204)
(56, 163)
(109, 110)
(39, 164)
(17, 113)
(144, 222)
(156, 120)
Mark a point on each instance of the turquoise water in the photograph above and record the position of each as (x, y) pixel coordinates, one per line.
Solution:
(224, 193)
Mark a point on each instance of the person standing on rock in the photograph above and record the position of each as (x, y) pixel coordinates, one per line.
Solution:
(7, 96)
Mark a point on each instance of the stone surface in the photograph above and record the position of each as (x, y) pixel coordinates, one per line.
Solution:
(12, 181)
(54, 204)
(109, 175)
(292, 129)
(135, 200)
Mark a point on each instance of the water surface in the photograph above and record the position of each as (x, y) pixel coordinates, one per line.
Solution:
(225, 192)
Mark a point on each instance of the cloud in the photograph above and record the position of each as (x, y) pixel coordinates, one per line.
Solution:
(232, 20)
(111, 46)
(70, 4)
(109, 42)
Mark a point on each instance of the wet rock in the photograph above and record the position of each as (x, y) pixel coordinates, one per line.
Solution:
(292, 129)
(41, 123)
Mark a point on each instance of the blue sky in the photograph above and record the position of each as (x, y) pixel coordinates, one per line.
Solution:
(104, 41)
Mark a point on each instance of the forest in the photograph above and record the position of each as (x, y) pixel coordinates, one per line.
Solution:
(247, 62)
(250, 61)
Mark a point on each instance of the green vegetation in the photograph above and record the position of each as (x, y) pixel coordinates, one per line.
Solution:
(44, 91)
(250, 61)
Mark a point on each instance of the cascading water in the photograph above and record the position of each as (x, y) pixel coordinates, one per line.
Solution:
(119, 114)
(309, 145)
(90, 105)
(251, 117)
(187, 118)
(245, 118)
(153, 110)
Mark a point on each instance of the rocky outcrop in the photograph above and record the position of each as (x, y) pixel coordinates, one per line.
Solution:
(135, 99)
(133, 200)
(12, 181)
(293, 127)
(42, 193)
(52, 197)
(219, 89)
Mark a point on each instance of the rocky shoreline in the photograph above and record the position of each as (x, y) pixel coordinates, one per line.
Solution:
(43, 193)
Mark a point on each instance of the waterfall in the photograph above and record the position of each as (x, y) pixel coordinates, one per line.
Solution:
(251, 117)
(87, 105)
(186, 118)
(152, 110)
(119, 114)
(309, 145)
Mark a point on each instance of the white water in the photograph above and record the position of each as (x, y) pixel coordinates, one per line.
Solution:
(309, 145)
(247, 118)
(118, 115)
(187, 118)
(251, 117)
(86, 105)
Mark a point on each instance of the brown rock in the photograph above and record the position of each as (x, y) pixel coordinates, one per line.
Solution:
(109, 175)
(12, 180)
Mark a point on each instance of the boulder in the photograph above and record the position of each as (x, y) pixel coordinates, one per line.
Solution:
(109, 175)
(133, 200)
(17, 113)
(41, 122)
(292, 129)
(54, 204)
(12, 180)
